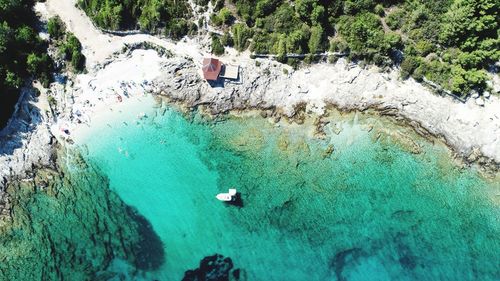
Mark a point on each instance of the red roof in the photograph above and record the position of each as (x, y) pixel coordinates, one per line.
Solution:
(211, 68)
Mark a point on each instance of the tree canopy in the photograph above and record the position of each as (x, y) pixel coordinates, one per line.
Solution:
(22, 53)
(147, 15)
(451, 42)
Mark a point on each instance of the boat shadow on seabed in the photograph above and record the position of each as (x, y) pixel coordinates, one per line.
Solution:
(233, 198)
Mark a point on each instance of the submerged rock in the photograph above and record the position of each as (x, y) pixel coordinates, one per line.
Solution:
(328, 151)
(66, 224)
(213, 268)
(342, 258)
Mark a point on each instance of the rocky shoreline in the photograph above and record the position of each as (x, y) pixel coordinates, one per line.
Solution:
(180, 83)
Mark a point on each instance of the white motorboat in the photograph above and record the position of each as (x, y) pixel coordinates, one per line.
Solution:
(226, 197)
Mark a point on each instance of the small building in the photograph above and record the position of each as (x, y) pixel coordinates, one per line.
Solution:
(230, 71)
(211, 68)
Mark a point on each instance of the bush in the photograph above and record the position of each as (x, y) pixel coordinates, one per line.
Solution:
(241, 35)
(77, 61)
(178, 29)
(225, 16)
(215, 20)
(408, 66)
(56, 28)
(395, 19)
(227, 40)
(71, 50)
(217, 47)
(52, 101)
(379, 10)
(424, 48)
(338, 45)
(316, 40)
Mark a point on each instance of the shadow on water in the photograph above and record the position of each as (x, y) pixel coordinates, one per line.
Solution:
(149, 252)
(25, 118)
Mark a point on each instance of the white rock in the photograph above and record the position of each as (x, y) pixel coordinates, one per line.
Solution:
(480, 102)
(486, 94)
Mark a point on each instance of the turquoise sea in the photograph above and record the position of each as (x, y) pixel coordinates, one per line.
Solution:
(370, 201)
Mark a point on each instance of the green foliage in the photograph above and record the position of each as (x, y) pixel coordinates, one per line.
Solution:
(78, 61)
(40, 65)
(12, 80)
(424, 48)
(71, 50)
(316, 39)
(280, 48)
(396, 19)
(179, 28)
(450, 42)
(379, 10)
(52, 101)
(241, 35)
(352, 7)
(338, 45)
(217, 47)
(227, 40)
(467, 22)
(225, 16)
(56, 28)
(408, 66)
(148, 15)
(22, 53)
(365, 36)
(297, 41)
(464, 81)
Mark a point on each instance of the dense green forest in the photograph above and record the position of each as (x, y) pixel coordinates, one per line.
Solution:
(22, 53)
(168, 16)
(450, 42)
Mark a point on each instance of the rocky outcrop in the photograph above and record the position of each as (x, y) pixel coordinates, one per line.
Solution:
(26, 143)
(463, 126)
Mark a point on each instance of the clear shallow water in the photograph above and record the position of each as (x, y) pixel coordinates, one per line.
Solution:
(369, 211)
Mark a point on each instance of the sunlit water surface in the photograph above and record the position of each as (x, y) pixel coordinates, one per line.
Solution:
(370, 210)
